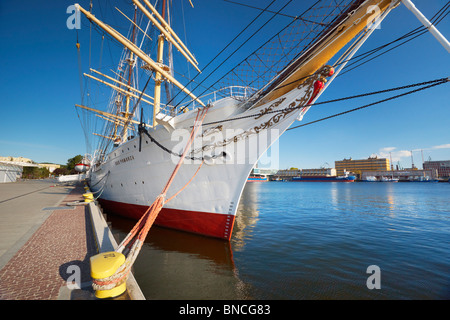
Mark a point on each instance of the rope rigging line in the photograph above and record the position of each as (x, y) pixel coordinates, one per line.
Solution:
(100, 191)
(254, 52)
(229, 43)
(280, 14)
(439, 81)
(371, 104)
(84, 122)
(305, 48)
(230, 55)
(141, 130)
(413, 34)
(432, 82)
(436, 19)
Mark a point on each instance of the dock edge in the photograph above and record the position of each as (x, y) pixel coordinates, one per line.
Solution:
(106, 242)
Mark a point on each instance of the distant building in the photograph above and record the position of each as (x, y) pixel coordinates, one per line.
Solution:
(294, 172)
(11, 168)
(288, 173)
(442, 167)
(402, 175)
(358, 166)
(264, 171)
(327, 172)
(10, 172)
(50, 166)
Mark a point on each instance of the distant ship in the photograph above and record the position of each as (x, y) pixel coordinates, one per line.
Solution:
(423, 179)
(257, 177)
(345, 178)
(387, 179)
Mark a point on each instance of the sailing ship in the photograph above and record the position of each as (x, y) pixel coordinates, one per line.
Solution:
(137, 151)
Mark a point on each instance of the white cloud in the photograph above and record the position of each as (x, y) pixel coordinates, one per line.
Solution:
(405, 155)
(442, 146)
(397, 155)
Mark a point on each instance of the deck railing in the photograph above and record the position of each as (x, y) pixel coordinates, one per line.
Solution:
(236, 92)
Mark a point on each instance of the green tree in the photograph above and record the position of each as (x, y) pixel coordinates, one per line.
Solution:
(35, 173)
(72, 162)
(61, 171)
(44, 173)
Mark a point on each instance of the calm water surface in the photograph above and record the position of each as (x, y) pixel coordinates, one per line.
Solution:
(309, 240)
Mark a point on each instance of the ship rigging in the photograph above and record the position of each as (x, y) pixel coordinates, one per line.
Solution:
(136, 138)
(137, 159)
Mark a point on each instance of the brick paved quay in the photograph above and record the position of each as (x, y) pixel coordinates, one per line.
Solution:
(45, 240)
(38, 269)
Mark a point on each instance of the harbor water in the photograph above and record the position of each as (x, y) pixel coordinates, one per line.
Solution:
(309, 240)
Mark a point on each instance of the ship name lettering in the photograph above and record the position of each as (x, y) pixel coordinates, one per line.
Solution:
(129, 158)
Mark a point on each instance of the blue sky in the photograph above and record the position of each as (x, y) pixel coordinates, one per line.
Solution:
(40, 83)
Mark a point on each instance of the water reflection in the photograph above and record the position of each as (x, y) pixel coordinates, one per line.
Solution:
(247, 215)
(179, 265)
(308, 241)
(364, 197)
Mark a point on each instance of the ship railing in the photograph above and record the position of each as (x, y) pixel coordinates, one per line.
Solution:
(240, 93)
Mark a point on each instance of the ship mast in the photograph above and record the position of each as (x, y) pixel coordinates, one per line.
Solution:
(158, 77)
(150, 64)
(130, 60)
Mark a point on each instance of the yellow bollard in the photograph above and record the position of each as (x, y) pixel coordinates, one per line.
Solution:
(104, 265)
(88, 197)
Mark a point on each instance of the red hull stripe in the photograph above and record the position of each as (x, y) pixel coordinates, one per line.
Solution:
(205, 223)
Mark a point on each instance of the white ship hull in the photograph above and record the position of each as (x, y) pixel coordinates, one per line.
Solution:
(235, 133)
(129, 181)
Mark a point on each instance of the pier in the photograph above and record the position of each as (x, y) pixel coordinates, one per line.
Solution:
(45, 244)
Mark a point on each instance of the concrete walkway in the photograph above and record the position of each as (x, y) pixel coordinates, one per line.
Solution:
(22, 211)
(43, 241)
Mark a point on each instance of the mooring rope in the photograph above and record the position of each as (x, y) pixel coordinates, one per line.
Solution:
(142, 227)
